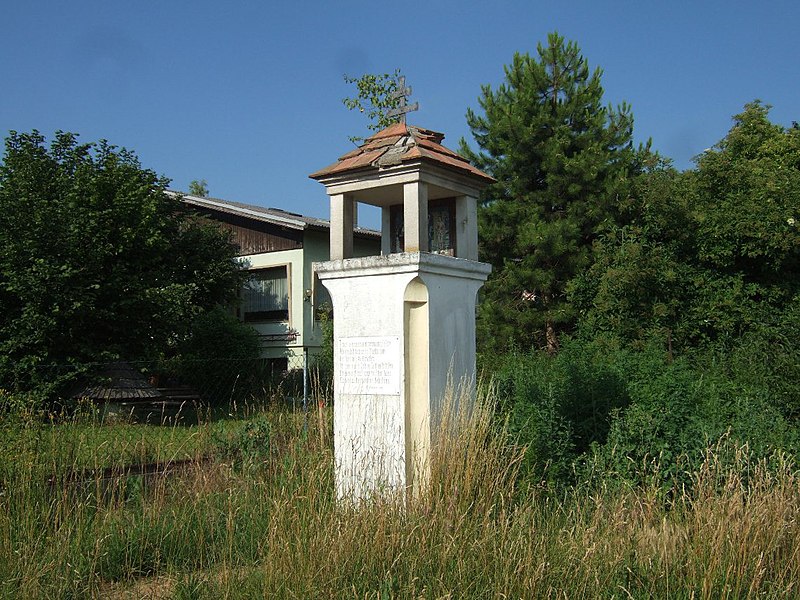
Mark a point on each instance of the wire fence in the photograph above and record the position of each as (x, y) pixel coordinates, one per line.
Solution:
(162, 390)
(126, 418)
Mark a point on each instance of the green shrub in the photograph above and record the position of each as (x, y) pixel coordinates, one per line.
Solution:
(248, 442)
(678, 410)
(220, 358)
(598, 413)
(322, 365)
(769, 356)
(559, 406)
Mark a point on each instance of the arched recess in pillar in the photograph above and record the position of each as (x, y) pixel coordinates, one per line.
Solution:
(417, 388)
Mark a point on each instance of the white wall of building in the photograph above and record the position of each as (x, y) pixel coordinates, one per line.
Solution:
(299, 264)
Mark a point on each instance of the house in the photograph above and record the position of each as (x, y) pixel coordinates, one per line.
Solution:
(282, 299)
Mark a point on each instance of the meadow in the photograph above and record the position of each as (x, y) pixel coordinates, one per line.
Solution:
(253, 514)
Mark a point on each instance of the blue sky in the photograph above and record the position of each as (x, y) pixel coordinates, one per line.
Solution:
(247, 95)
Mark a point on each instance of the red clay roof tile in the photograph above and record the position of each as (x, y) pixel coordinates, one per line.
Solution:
(352, 153)
(396, 129)
(385, 148)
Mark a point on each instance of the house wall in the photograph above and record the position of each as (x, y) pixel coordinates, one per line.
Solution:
(316, 248)
(253, 236)
(316, 244)
(275, 348)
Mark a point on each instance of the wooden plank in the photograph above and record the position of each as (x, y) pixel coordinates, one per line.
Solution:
(401, 110)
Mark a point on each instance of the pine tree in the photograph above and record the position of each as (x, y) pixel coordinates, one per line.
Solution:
(562, 160)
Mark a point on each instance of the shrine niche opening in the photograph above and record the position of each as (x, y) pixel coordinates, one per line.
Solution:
(441, 227)
(417, 393)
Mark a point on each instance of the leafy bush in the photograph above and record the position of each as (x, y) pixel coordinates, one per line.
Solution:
(601, 414)
(678, 412)
(559, 406)
(769, 357)
(322, 366)
(98, 263)
(212, 357)
(248, 442)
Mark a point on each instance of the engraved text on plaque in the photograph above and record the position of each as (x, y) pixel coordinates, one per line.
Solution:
(368, 365)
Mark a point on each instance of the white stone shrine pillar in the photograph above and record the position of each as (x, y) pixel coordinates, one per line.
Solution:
(404, 322)
(467, 227)
(415, 216)
(342, 223)
(404, 331)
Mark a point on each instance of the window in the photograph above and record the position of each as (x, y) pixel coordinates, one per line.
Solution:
(442, 226)
(397, 229)
(265, 296)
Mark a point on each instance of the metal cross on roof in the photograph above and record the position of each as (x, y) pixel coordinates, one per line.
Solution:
(401, 93)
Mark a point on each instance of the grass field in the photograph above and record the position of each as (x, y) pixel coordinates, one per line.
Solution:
(256, 517)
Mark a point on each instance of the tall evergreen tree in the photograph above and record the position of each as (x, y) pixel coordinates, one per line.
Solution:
(562, 160)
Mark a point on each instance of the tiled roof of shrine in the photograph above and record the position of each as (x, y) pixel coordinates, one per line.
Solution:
(397, 144)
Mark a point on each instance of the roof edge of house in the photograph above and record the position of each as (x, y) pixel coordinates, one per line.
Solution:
(264, 214)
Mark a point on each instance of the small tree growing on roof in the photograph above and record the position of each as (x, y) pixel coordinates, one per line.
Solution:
(198, 188)
(375, 98)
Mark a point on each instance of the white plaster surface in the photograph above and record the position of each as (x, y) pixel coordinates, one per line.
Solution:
(298, 263)
(368, 300)
(415, 216)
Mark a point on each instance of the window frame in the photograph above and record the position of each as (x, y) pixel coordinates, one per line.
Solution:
(243, 315)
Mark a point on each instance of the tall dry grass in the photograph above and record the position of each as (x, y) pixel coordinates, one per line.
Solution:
(268, 525)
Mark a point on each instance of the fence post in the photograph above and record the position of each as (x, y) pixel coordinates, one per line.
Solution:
(305, 389)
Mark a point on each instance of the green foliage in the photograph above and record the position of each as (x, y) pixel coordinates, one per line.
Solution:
(217, 334)
(220, 355)
(748, 193)
(198, 188)
(709, 257)
(603, 414)
(374, 97)
(767, 356)
(559, 406)
(636, 289)
(255, 438)
(97, 261)
(562, 162)
(677, 413)
(322, 365)
(249, 443)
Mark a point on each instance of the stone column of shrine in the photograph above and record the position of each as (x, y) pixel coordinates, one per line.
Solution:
(404, 322)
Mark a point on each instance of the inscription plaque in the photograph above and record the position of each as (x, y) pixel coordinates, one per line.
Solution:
(368, 365)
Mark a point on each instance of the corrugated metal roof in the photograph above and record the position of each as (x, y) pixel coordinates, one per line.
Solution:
(400, 143)
(275, 216)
